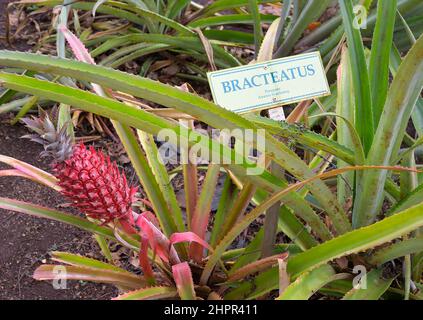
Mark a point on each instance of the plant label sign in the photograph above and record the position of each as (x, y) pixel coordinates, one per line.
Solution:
(269, 84)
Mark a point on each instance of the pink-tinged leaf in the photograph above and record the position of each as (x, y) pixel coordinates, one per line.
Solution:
(58, 272)
(151, 293)
(144, 261)
(43, 212)
(183, 279)
(256, 266)
(14, 173)
(151, 217)
(159, 243)
(31, 172)
(81, 53)
(188, 237)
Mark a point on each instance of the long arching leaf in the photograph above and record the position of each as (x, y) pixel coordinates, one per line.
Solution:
(310, 282)
(55, 272)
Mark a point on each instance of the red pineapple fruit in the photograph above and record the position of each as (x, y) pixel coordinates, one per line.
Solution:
(88, 178)
(95, 185)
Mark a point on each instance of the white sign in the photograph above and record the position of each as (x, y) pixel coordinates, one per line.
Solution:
(272, 83)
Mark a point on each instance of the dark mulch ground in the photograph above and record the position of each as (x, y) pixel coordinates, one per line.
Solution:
(26, 241)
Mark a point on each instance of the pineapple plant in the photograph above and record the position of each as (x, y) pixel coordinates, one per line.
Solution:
(86, 176)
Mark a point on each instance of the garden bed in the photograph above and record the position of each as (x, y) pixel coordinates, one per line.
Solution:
(295, 229)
